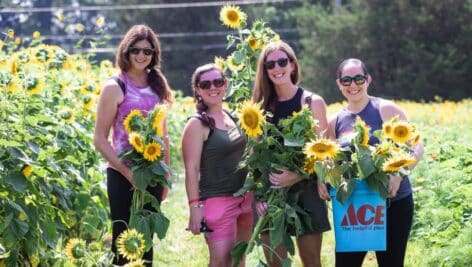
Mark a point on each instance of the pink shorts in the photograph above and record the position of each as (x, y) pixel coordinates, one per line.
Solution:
(224, 215)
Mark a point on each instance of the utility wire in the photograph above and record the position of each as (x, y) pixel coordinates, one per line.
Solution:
(159, 35)
(139, 6)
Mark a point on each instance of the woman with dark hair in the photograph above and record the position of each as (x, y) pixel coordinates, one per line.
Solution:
(213, 146)
(353, 81)
(276, 85)
(140, 85)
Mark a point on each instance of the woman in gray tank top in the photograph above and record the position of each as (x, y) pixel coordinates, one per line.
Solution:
(213, 146)
(353, 81)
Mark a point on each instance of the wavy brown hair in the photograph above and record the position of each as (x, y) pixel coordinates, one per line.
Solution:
(201, 106)
(156, 80)
(263, 87)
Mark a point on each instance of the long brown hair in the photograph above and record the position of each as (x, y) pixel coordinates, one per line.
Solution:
(263, 87)
(201, 106)
(156, 80)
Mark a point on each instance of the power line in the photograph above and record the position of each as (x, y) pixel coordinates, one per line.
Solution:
(159, 35)
(140, 6)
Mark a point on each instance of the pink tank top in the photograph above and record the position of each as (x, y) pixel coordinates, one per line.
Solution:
(143, 99)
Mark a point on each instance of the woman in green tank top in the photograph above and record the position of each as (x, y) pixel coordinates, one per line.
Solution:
(213, 146)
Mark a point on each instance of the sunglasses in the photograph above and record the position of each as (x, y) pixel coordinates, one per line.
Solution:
(358, 80)
(270, 64)
(146, 51)
(206, 84)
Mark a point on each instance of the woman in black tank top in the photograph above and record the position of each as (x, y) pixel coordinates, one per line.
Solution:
(353, 80)
(276, 84)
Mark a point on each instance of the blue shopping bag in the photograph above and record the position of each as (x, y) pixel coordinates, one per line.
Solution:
(361, 223)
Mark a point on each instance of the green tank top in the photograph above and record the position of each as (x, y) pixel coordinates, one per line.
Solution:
(221, 155)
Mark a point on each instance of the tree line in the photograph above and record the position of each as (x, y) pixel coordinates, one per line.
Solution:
(414, 49)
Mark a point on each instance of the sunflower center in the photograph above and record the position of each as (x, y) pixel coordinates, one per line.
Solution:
(401, 131)
(137, 141)
(78, 251)
(151, 150)
(132, 245)
(250, 119)
(399, 163)
(232, 15)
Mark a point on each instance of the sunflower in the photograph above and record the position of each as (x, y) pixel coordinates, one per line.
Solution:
(136, 263)
(394, 164)
(79, 27)
(131, 121)
(27, 170)
(152, 151)
(321, 149)
(387, 129)
(11, 34)
(383, 149)
(136, 141)
(253, 43)
(219, 63)
(309, 165)
(159, 116)
(232, 16)
(36, 34)
(233, 65)
(401, 132)
(363, 132)
(75, 249)
(100, 21)
(89, 102)
(130, 244)
(415, 139)
(17, 40)
(251, 119)
(67, 114)
(32, 84)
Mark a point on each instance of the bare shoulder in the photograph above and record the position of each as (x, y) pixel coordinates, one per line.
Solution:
(388, 109)
(111, 90)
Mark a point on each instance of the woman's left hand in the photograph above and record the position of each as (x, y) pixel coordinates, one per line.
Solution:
(393, 185)
(284, 178)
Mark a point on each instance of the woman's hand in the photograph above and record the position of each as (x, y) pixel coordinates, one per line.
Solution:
(195, 220)
(284, 178)
(323, 190)
(261, 208)
(394, 185)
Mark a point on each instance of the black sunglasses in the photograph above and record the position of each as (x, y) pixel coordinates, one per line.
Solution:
(270, 64)
(146, 51)
(358, 80)
(204, 227)
(206, 84)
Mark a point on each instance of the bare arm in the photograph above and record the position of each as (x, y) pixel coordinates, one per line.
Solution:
(192, 145)
(107, 108)
(318, 110)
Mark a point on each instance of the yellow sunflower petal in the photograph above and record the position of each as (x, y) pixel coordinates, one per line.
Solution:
(251, 119)
(396, 163)
(130, 244)
(136, 141)
(232, 16)
(401, 132)
(152, 151)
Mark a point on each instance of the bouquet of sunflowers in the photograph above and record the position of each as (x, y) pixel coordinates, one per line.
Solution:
(271, 147)
(146, 158)
(359, 160)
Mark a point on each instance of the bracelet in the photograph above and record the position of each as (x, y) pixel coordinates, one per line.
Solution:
(193, 200)
(195, 205)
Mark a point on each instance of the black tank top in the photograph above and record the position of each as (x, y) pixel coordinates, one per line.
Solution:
(284, 109)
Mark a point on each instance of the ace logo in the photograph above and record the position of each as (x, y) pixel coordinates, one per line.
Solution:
(364, 215)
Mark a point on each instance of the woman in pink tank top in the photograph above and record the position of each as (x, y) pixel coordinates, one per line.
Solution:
(138, 58)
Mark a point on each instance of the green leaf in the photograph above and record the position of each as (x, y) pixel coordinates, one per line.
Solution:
(278, 228)
(17, 180)
(142, 177)
(4, 142)
(345, 191)
(159, 224)
(237, 252)
(365, 163)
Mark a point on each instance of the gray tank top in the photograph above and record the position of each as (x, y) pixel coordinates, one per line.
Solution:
(221, 155)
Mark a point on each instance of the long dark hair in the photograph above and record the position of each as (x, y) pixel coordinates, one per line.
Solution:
(156, 80)
(263, 87)
(201, 106)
